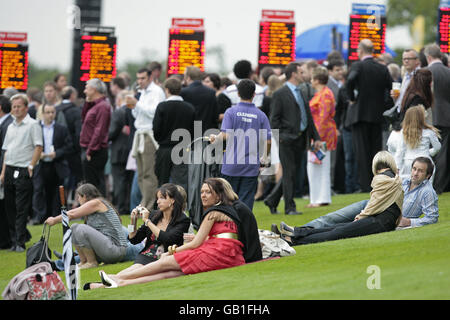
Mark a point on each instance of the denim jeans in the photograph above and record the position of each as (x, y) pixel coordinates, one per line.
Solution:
(346, 214)
(135, 196)
(245, 188)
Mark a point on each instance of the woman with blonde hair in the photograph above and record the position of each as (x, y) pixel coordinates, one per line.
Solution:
(381, 214)
(419, 139)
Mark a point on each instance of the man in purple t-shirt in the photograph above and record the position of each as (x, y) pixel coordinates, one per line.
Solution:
(245, 128)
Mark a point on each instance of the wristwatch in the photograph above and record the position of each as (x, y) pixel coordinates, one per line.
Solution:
(30, 167)
(146, 222)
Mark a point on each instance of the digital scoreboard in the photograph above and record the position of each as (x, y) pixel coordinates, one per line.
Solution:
(97, 57)
(13, 61)
(367, 22)
(186, 45)
(444, 29)
(276, 38)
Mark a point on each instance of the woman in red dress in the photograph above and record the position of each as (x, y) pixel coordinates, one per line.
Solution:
(215, 246)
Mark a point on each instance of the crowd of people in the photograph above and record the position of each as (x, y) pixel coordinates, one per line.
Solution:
(322, 128)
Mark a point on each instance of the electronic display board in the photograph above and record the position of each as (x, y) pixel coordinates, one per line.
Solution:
(97, 57)
(13, 61)
(186, 45)
(366, 26)
(276, 38)
(443, 29)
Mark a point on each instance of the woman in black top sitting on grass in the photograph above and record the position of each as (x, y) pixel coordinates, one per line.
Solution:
(382, 213)
(161, 229)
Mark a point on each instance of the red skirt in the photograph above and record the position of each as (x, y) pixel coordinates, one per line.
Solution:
(213, 254)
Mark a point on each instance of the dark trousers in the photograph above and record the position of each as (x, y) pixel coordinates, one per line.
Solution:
(166, 171)
(338, 167)
(94, 170)
(367, 140)
(18, 198)
(290, 159)
(442, 161)
(351, 167)
(5, 239)
(245, 188)
(374, 224)
(76, 170)
(122, 180)
(46, 202)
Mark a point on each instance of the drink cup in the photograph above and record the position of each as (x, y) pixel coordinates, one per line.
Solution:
(396, 88)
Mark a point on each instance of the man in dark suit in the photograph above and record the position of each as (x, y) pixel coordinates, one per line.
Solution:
(5, 121)
(172, 114)
(119, 133)
(52, 168)
(290, 114)
(201, 97)
(372, 82)
(72, 114)
(441, 115)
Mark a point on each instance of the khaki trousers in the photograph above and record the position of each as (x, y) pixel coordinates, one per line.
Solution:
(147, 180)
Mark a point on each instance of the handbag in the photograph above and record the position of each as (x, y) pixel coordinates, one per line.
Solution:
(273, 246)
(37, 282)
(46, 286)
(391, 115)
(40, 252)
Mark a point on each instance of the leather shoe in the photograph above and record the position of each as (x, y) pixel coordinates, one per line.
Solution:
(293, 212)
(273, 209)
(274, 229)
(286, 230)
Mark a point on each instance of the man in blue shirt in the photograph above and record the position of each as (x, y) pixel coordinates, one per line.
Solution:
(420, 199)
(243, 126)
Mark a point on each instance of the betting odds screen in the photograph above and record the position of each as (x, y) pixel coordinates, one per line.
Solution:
(443, 29)
(366, 26)
(276, 38)
(186, 45)
(13, 61)
(97, 57)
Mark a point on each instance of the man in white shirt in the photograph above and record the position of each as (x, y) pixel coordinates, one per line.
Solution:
(144, 143)
(23, 146)
(243, 70)
(411, 63)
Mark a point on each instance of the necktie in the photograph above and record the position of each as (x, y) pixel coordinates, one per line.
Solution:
(303, 121)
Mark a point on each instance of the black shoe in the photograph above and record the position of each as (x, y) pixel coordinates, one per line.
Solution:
(274, 229)
(273, 209)
(12, 249)
(286, 230)
(20, 249)
(293, 212)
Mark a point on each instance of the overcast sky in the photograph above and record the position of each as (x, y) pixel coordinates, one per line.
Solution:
(142, 26)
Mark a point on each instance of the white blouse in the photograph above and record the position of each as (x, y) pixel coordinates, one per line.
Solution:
(429, 146)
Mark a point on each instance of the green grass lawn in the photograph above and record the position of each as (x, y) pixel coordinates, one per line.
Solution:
(413, 264)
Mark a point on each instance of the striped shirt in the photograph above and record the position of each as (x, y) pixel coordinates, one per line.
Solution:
(421, 200)
(109, 224)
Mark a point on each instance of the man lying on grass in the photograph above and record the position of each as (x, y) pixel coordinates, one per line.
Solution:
(419, 199)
